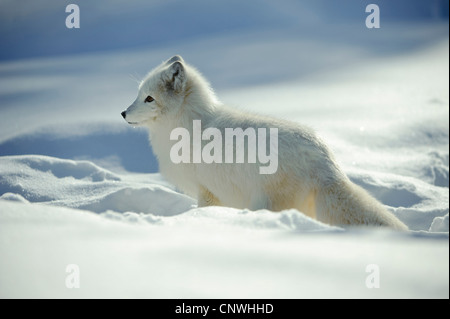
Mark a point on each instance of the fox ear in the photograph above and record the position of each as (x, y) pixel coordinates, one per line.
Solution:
(175, 58)
(176, 76)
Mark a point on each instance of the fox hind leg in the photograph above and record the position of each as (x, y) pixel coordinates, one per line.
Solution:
(206, 198)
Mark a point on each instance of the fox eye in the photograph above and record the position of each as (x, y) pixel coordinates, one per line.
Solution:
(149, 99)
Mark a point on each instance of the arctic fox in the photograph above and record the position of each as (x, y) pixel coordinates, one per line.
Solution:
(175, 97)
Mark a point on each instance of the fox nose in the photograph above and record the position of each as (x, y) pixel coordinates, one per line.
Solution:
(124, 114)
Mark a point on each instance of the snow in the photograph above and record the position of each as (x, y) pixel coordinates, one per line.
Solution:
(439, 224)
(78, 186)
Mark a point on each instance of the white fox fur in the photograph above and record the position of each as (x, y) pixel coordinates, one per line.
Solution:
(308, 177)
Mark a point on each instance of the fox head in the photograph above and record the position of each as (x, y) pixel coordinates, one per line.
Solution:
(162, 91)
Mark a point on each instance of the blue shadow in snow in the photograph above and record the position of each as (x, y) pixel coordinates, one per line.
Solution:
(131, 148)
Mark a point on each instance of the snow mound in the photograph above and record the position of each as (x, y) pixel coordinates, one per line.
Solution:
(412, 200)
(49, 179)
(84, 185)
(14, 197)
(225, 217)
(154, 199)
(440, 224)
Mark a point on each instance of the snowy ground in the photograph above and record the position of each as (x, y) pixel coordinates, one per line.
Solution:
(79, 186)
